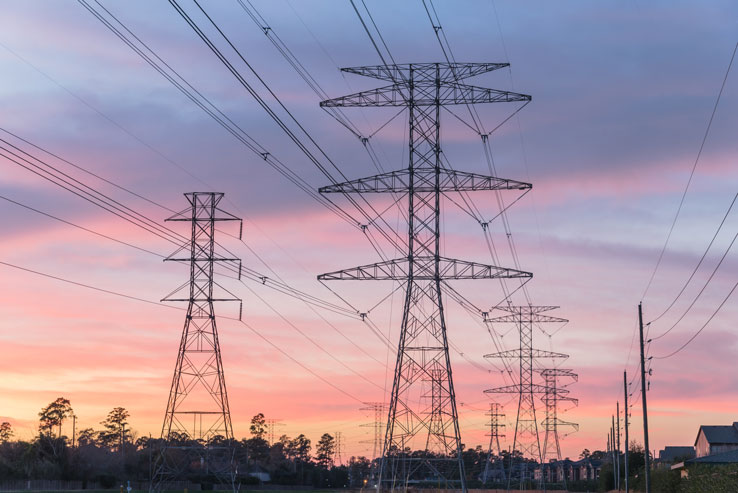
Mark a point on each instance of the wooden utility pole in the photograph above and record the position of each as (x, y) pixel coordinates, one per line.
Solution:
(618, 444)
(625, 391)
(645, 406)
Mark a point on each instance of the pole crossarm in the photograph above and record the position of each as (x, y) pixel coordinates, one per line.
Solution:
(532, 353)
(425, 180)
(450, 93)
(424, 269)
(446, 72)
(517, 389)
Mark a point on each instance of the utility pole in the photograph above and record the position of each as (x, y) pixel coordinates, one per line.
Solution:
(614, 453)
(645, 406)
(626, 410)
(413, 424)
(198, 410)
(74, 429)
(618, 441)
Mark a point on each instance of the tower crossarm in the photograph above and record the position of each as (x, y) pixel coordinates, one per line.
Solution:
(450, 93)
(559, 422)
(424, 268)
(534, 318)
(447, 71)
(533, 388)
(424, 180)
(534, 353)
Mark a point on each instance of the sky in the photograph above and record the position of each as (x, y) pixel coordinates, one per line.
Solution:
(622, 95)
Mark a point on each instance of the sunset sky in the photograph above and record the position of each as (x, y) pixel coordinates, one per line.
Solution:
(622, 94)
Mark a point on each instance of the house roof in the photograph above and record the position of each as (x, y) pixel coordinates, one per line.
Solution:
(719, 434)
(730, 457)
(671, 452)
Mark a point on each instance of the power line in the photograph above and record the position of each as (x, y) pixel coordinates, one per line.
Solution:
(704, 286)
(691, 174)
(691, 276)
(303, 148)
(701, 328)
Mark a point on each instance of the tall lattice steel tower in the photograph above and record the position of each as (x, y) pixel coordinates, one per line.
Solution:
(197, 434)
(494, 469)
(555, 393)
(422, 442)
(526, 439)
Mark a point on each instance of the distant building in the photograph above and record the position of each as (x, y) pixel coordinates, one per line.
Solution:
(713, 440)
(568, 470)
(721, 459)
(671, 454)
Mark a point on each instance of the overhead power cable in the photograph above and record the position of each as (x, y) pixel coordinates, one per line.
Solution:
(694, 336)
(691, 174)
(392, 237)
(135, 298)
(696, 268)
(200, 100)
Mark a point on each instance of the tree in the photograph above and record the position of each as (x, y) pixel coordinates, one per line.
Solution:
(86, 436)
(585, 454)
(325, 450)
(258, 426)
(54, 415)
(298, 449)
(6, 432)
(115, 435)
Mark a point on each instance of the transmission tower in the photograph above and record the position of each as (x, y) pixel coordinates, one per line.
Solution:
(494, 469)
(337, 459)
(377, 409)
(272, 425)
(526, 439)
(197, 435)
(555, 393)
(422, 443)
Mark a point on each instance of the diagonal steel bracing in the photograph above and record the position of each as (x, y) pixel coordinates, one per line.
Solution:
(526, 439)
(197, 435)
(422, 444)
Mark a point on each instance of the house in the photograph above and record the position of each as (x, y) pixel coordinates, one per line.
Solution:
(672, 454)
(713, 440)
(724, 458)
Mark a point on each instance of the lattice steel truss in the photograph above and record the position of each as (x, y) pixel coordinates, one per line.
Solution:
(422, 442)
(556, 392)
(377, 409)
(197, 435)
(526, 439)
(494, 469)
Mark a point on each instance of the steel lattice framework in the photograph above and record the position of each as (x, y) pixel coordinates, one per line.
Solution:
(526, 438)
(556, 392)
(197, 435)
(422, 441)
(494, 469)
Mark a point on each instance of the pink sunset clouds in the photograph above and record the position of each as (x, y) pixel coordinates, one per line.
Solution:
(607, 143)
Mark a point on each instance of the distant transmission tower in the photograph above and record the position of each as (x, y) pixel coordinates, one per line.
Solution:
(378, 409)
(555, 393)
(494, 469)
(526, 439)
(272, 425)
(337, 459)
(197, 435)
(422, 442)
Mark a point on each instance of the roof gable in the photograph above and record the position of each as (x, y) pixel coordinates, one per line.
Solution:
(719, 434)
